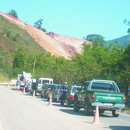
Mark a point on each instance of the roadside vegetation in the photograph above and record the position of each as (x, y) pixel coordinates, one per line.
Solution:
(126, 110)
(19, 52)
(13, 13)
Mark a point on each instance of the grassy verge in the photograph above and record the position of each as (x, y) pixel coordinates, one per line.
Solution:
(3, 76)
(126, 110)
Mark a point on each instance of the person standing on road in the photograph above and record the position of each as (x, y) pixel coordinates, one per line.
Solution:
(26, 85)
(18, 83)
(34, 86)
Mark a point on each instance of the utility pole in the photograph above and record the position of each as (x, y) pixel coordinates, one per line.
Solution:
(34, 66)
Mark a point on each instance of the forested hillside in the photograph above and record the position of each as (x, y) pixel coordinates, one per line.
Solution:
(122, 41)
(14, 40)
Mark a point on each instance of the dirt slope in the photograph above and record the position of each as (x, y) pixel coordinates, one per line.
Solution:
(56, 44)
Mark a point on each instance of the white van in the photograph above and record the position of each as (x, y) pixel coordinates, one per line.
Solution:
(40, 83)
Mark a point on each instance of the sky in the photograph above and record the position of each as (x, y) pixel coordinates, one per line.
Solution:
(75, 18)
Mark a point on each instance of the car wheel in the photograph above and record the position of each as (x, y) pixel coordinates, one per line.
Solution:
(86, 109)
(48, 98)
(62, 102)
(42, 95)
(67, 102)
(35, 93)
(114, 114)
(76, 107)
(101, 111)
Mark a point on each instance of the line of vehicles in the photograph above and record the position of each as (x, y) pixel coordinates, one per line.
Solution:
(104, 93)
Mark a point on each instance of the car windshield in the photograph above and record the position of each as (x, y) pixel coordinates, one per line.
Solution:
(49, 86)
(57, 87)
(63, 88)
(75, 89)
(45, 81)
(104, 86)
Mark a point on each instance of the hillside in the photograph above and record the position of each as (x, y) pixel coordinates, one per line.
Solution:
(56, 44)
(123, 41)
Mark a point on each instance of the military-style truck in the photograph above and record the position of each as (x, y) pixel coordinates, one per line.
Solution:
(104, 93)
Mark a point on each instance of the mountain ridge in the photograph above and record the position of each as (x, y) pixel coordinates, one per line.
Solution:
(122, 41)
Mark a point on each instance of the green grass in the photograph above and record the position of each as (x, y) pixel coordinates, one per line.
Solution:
(3, 76)
(12, 37)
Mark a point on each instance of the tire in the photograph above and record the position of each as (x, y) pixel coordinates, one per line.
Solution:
(114, 114)
(62, 102)
(31, 93)
(67, 102)
(101, 111)
(76, 107)
(48, 98)
(42, 95)
(86, 109)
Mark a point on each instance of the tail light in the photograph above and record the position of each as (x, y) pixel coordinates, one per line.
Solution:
(71, 97)
(93, 97)
(47, 90)
(124, 99)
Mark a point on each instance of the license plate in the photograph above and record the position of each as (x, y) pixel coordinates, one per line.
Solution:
(107, 104)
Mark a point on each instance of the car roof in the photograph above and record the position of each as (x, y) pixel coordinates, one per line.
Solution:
(56, 84)
(77, 86)
(98, 80)
(46, 78)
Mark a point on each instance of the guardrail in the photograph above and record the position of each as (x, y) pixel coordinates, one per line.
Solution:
(9, 83)
(3, 83)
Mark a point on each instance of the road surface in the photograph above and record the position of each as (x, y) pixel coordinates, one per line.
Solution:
(20, 111)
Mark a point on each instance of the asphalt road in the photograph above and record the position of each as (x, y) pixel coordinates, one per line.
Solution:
(20, 111)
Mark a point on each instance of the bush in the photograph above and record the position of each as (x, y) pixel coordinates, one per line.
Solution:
(3, 77)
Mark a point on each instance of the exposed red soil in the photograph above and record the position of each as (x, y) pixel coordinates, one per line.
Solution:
(56, 44)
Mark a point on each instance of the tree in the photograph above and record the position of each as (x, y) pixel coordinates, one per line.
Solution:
(13, 13)
(128, 23)
(128, 31)
(38, 25)
(19, 59)
(95, 38)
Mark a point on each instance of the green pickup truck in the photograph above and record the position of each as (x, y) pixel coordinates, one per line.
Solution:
(104, 93)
